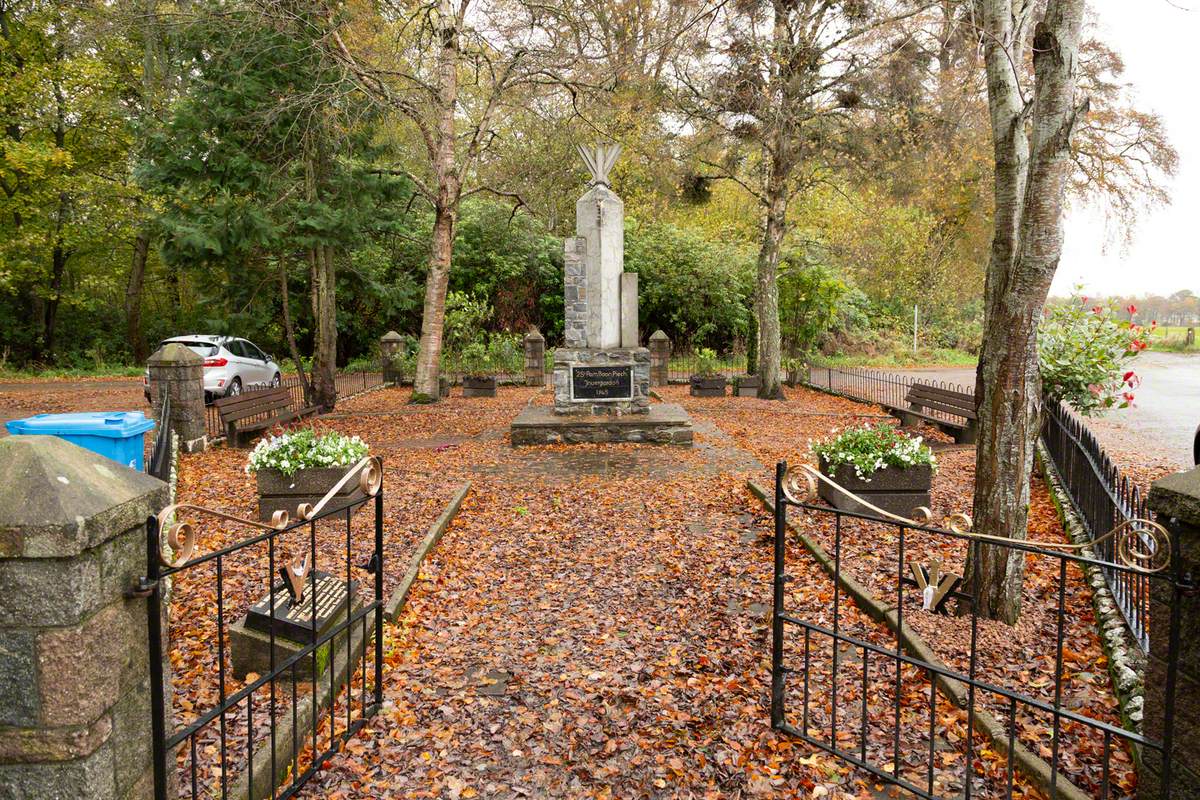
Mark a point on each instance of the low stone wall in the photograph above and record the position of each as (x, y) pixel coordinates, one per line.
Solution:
(1126, 661)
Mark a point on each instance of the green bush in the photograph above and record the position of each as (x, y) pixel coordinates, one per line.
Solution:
(1083, 353)
(707, 363)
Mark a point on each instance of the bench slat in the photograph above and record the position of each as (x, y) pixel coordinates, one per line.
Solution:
(947, 401)
(934, 393)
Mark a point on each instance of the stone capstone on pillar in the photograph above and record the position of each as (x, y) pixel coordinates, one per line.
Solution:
(74, 650)
(176, 371)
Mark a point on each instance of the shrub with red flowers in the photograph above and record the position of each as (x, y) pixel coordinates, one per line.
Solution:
(1084, 353)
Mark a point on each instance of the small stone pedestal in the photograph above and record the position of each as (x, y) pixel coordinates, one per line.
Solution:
(294, 626)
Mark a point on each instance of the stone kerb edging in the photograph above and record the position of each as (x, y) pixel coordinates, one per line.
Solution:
(1126, 661)
(1030, 765)
(287, 741)
(394, 603)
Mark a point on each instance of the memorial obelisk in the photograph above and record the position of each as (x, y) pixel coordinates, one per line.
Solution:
(601, 374)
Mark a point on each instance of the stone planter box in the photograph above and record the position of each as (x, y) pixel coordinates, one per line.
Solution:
(746, 385)
(479, 385)
(707, 386)
(277, 491)
(898, 491)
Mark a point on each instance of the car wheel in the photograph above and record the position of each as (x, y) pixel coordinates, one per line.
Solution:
(235, 388)
(276, 381)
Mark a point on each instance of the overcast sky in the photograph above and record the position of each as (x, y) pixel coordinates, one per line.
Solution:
(1158, 39)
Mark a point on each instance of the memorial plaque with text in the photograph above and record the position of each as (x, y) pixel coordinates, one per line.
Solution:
(602, 382)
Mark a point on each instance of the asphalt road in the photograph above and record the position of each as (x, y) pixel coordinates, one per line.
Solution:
(1162, 422)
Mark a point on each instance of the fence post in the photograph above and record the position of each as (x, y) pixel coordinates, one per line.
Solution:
(75, 696)
(535, 358)
(389, 349)
(1172, 702)
(178, 371)
(660, 359)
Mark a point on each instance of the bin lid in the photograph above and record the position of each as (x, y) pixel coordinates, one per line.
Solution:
(112, 424)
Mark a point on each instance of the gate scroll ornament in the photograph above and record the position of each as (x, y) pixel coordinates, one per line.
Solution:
(182, 536)
(1141, 544)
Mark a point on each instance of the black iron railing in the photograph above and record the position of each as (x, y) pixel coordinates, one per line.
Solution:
(159, 464)
(246, 728)
(875, 386)
(870, 697)
(684, 363)
(1102, 498)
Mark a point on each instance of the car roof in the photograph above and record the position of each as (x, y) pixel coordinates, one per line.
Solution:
(199, 337)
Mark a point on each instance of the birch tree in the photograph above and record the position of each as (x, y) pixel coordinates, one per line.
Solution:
(447, 71)
(1031, 135)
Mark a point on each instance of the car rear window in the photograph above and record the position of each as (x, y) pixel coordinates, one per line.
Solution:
(202, 349)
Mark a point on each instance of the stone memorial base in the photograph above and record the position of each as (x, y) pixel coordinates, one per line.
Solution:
(593, 381)
(661, 423)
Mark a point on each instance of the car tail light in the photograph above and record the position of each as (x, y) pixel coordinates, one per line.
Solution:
(215, 362)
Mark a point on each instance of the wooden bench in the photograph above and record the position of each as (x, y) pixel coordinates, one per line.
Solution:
(923, 399)
(251, 413)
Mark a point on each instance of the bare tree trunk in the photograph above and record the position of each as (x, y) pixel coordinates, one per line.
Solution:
(133, 297)
(429, 351)
(766, 294)
(324, 367)
(1031, 182)
(290, 332)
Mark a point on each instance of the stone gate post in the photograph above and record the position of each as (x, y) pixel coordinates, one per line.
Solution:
(535, 358)
(660, 357)
(178, 371)
(74, 660)
(1176, 501)
(389, 349)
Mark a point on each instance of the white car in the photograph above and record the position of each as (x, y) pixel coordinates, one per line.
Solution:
(231, 365)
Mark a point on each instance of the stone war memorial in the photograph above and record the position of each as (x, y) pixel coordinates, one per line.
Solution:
(601, 373)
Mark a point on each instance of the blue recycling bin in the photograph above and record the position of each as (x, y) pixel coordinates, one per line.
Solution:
(113, 434)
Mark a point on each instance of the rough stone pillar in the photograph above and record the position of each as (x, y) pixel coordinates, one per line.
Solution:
(660, 358)
(74, 665)
(1176, 501)
(389, 349)
(177, 371)
(535, 358)
(575, 292)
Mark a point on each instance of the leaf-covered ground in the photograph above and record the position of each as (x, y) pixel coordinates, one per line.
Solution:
(595, 622)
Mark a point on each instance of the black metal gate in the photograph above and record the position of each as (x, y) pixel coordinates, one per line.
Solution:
(953, 720)
(267, 731)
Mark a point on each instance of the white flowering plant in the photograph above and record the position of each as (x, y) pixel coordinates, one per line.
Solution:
(305, 448)
(872, 448)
